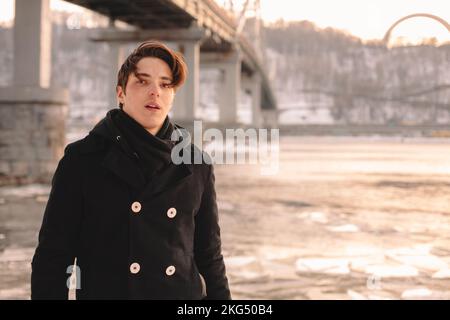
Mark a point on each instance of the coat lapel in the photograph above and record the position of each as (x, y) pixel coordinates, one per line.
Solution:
(124, 168)
(169, 177)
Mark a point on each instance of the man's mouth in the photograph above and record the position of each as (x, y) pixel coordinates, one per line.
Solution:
(152, 106)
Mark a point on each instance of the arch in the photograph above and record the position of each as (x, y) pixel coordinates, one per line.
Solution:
(387, 35)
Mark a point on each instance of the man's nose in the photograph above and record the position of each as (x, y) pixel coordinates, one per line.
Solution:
(154, 90)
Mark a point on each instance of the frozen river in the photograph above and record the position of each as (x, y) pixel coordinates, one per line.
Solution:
(345, 218)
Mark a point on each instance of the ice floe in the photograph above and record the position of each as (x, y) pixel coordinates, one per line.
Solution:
(418, 293)
(344, 228)
(323, 265)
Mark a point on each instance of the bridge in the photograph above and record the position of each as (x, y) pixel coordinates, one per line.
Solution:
(32, 130)
(388, 33)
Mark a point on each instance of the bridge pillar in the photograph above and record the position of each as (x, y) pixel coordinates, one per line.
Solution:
(231, 87)
(229, 64)
(32, 115)
(185, 106)
(32, 43)
(253, 85)
(117, 57)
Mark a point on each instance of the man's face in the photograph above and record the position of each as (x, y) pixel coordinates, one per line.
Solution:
(149, 94)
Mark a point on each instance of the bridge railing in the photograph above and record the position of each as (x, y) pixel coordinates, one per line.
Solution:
(210, 15)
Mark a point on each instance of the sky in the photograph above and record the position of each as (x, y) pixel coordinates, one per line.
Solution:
(367, 19)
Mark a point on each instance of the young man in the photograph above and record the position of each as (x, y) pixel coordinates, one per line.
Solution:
(139, 226)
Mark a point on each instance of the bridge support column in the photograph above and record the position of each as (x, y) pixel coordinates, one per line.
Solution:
(253, 85)
(32, 115)
(117, 57)
(229, 65)
(186, 102)
(231, 87)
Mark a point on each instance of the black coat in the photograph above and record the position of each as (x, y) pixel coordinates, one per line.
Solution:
(132, 239)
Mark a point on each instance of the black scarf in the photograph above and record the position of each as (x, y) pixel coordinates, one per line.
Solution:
(152, 152)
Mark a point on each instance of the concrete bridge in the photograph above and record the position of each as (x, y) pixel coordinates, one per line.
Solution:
(32, 114)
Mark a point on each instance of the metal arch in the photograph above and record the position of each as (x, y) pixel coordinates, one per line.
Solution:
(387, 35)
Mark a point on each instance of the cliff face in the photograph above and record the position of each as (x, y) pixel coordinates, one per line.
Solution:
(338, 77)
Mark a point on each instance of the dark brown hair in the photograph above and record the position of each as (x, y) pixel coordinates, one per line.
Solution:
(153, 48)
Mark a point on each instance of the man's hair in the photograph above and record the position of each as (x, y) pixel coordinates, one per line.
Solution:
(156, 49)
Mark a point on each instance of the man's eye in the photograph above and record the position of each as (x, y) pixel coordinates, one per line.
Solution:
(166, 85)
(142, 81)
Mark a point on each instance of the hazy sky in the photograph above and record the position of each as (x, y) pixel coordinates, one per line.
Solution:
(368, 19)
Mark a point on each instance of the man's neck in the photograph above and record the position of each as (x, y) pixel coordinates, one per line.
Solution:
(154, 130)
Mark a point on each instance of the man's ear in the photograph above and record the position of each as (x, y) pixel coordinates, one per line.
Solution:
(120, 94)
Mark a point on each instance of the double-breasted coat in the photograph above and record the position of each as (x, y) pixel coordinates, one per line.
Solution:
(132, 239)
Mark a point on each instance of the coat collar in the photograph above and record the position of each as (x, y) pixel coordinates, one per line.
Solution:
(119, 159)
(124, 168)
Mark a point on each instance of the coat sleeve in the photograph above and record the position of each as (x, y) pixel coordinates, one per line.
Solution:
(207, 244)
(59, 232)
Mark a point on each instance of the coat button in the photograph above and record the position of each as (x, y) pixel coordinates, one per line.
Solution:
(170, 270)
(135, 267)
(136, 207)
(171, 213)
